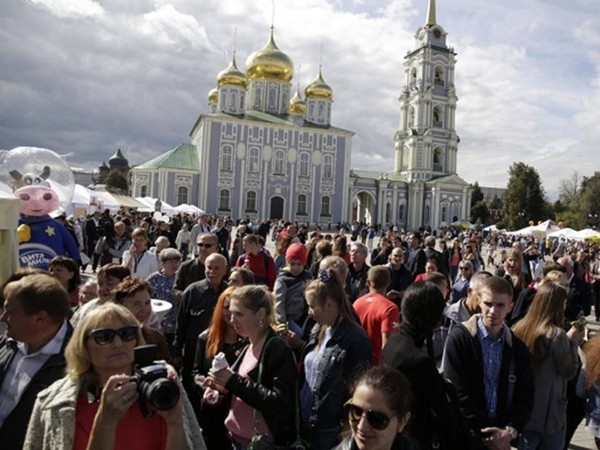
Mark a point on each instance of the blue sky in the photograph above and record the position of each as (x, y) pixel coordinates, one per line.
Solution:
(83, 77)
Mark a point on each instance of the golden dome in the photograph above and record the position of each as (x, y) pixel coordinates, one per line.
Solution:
(271, 63)
(213, 96)
(232, 76)
(297, 105)
(319, 89)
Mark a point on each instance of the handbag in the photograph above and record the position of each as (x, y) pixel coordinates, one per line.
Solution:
(264, 442)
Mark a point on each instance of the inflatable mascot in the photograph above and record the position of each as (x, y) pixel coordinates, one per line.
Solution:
(41, 238)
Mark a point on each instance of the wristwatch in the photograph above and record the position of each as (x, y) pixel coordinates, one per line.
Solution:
(514, 434)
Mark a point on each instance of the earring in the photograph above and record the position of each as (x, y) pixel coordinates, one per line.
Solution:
(261, 323)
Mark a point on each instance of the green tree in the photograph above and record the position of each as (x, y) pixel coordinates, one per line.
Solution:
(590, 200)
(480, 211)
(525, 198)
(476, 195)
(116, 181)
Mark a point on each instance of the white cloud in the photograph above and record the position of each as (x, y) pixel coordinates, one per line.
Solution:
(71, 9)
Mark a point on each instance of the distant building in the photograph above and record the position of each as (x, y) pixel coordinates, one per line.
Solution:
(116, 162)
(259, 153)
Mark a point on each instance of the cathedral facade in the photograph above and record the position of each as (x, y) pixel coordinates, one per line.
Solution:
(260, 152)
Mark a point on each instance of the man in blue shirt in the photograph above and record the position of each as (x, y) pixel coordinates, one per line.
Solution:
(490, 368)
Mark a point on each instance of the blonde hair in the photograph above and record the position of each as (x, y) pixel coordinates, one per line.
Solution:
(254, 297)
(79, 363)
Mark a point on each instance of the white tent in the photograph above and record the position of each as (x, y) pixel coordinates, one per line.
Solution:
(151, 206)
(586, 234)
(543, 229)
(189, 209)
(9, 246)
(101, 200)
(567, 233)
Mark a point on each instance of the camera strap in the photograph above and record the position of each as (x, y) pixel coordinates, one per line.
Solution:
(144, 409)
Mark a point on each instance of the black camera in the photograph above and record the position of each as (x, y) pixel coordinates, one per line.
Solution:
(151, 378)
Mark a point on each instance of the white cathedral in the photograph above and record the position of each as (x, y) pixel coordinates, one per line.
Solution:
(259, 153)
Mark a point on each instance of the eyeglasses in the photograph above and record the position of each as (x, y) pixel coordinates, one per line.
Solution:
(377, 420)
(201, 244)
(104, 336)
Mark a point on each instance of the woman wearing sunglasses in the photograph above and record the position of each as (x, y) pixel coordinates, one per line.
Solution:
(378, 412)
(337, 348)
(96, 405)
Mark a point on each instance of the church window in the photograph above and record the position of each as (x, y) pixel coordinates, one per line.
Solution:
(272, 98)
(325, 206)
(222, 100)
(144, 191)
(401, 212)
(254, 160)
(302, 204)
(227, 158)
(224, 196)
(413, 77)
(328, 166)
(438, 166)
(251, 201)
(437, 117)
(411, 117)
(444, 213)
(304, 170)
(233, 105)
(182, 195)
(279, 162)
(388, 212)
(438, 77)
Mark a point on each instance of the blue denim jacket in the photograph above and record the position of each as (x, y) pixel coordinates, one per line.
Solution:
(347, 350)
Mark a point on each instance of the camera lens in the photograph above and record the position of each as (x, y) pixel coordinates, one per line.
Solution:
(163, 393)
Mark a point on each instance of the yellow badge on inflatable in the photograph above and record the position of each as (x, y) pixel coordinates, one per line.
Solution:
(24, 233)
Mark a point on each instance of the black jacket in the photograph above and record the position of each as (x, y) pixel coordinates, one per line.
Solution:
(463, 365)
(14, 428)
(276, 397)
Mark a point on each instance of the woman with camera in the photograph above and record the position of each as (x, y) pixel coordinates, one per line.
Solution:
(96, 405)
(262, 382)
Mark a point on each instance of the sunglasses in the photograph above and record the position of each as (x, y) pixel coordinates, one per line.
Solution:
(378, 421)
(464, 268)
(104, 336)
(200, 244)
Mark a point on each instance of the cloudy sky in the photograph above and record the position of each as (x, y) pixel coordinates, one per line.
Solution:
(83, 77)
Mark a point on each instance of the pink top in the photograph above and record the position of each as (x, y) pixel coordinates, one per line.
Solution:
(240, 420)
(455, 258)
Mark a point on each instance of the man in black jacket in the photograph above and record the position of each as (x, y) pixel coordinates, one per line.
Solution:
(489, 366)
(32, 351)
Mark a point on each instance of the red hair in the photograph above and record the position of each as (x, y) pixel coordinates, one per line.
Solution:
(216, 331)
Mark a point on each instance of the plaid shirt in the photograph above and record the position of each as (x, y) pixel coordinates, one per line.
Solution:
(491, 352)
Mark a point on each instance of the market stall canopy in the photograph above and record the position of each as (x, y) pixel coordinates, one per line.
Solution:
(189, 209)
(154, 204)
(566, 233)
(9, 247)
(587, 233)
(543, 229)
(101, 200)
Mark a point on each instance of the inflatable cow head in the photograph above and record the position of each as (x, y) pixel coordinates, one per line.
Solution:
(37, 197)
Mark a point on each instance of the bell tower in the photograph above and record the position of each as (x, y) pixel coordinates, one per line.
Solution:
(426, 143)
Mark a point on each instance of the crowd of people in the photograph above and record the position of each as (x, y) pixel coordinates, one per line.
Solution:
(353, 338)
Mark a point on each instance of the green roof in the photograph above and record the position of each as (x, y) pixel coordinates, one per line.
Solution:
(184, 156)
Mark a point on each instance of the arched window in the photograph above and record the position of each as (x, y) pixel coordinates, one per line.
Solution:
(328, 166)
(227, 158)
(279, 162)
(254, 160)
(304, 170)
(325, 206)
(401, 212)
(388, 212)
(251, 201)
(302, 204)
(144, 191)
(444, 213)
(224, 196)
(411, 117)
(438, 77)
(438, 164)
(413, 77)
(182, 195)
(438, 117)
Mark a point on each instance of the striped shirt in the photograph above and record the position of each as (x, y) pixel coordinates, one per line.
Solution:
(23, 368)
(491, 352)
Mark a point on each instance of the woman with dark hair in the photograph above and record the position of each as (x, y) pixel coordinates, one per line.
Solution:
(554, 360)
(337, 347)
(281, 247)
(264, 406)
(239, 277)
(134, 294)
(379, 411)
(219, 338)
(340, 248)
(66, 271)
(434, 423)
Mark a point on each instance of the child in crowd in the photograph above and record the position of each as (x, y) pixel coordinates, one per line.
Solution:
(290, 305)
